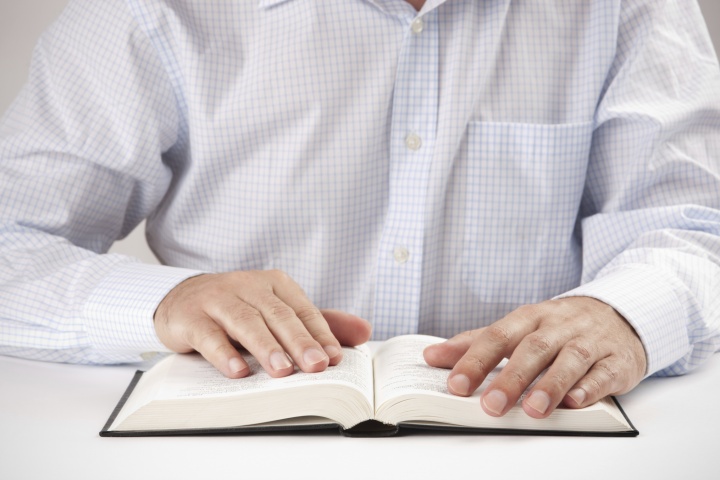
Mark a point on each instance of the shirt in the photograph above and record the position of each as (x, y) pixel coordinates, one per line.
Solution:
(430, 171)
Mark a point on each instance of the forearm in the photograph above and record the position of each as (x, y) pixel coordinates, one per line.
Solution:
(651, 208)
(81, 164)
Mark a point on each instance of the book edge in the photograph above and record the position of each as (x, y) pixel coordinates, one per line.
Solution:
(121, 403)
(635, 432)
(251, 429)
(403, 427)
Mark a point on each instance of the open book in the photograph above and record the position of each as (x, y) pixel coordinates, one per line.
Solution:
(364, 395)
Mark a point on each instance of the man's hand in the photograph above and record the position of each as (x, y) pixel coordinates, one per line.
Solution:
(265, 312)
(590, 352)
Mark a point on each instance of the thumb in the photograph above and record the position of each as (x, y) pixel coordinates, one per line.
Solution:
(350, 330)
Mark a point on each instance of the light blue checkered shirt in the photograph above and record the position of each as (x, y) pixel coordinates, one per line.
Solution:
(428, 171)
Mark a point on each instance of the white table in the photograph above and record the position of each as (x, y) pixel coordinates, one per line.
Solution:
(50, 415)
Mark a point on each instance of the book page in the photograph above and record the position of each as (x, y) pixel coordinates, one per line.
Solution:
(409, 390)
(193, 376)
(400, 369)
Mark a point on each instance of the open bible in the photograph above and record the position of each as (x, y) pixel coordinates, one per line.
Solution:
(366, 394)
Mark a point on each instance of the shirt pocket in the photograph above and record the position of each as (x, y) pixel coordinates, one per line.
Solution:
(523, 184)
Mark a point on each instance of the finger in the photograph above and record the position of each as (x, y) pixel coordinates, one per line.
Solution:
(247, 326)
(300, 327)
(489, 347)
(312, 320)
(449, 352)
(603, 379)
(535, 352)
(574, 360)
(350, 330)
(290, 331)
(211, 341)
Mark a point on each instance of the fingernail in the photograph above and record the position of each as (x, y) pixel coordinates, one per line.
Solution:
(279, 361)
(495, 401)
(538, 401)
(235, 365)
(578, 395)
(313, 356)
(332, 351)
(459, 385)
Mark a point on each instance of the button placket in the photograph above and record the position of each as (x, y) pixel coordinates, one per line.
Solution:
(414, 117)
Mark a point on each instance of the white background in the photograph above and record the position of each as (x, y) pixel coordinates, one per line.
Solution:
(22, 22)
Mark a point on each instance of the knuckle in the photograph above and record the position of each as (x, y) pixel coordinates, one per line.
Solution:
(608, 371)
(243, 321)
(560, 379)
(247, 314)
(525, 312)
(593, 386)
(531, 311)
(540, 344)
(517, 378)
(603, 379)
(475, 364)
(221, 349)
(526, 309)
(281, 312)
(581, 352)
(498, 335)
(279, 276)
(308, 313)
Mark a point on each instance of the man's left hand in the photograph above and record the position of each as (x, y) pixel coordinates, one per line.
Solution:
(589, 350)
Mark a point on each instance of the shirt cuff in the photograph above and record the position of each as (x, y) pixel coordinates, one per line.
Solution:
(119, 313)
(644, 295)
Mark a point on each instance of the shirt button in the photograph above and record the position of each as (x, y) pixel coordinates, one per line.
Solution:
(417, 26)
(401, 255)
(413, 142)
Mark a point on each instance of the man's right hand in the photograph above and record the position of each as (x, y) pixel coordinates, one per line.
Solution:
(265, 312)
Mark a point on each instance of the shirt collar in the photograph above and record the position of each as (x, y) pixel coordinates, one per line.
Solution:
(393, 6)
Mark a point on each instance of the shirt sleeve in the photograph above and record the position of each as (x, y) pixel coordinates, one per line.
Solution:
(651, 207)
(85, 156)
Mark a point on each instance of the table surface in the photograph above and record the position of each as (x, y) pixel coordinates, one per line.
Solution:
(50, 415)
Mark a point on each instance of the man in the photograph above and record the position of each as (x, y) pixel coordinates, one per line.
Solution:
(544, 176)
